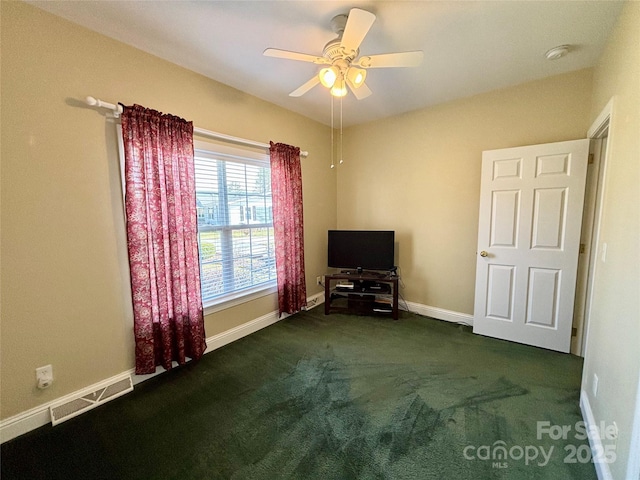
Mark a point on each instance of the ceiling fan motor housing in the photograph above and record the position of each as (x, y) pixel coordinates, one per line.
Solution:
(334, 52)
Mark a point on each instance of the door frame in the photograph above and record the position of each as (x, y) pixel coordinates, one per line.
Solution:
(599, 130)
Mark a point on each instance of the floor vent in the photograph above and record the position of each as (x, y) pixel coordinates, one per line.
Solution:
(72, 407)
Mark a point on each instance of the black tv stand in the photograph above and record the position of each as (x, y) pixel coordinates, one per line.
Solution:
(367, 293)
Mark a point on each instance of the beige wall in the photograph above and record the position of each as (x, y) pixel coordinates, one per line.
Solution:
(64, 274)
(613, 342)
(65, 295)
(419, 174)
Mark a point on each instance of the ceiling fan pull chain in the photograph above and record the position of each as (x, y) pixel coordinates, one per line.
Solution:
(341, 131)
(332, 165)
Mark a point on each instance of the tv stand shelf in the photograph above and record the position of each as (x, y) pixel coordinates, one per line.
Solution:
(371, 294)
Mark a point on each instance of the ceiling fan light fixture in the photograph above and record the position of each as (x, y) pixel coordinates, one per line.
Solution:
(356, 76)
(339, 88)
(328, 76)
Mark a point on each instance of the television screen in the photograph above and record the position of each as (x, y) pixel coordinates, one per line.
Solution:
(366, 249)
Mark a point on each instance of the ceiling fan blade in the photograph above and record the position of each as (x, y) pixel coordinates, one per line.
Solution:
(358, 24)
(303, 57)
(298, 92)
(390, 60)
(361, 92)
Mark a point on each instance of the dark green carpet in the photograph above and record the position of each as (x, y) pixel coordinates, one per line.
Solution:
(335, 397)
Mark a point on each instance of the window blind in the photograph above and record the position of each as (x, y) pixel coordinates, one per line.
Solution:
(235, 223)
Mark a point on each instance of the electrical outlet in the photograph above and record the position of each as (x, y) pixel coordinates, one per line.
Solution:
(594, 385)
(319, 280)
(44, 376)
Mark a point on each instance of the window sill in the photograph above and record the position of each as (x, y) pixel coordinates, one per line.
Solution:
(238, 298)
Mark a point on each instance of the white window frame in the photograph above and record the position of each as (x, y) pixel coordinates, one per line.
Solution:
(219, 151)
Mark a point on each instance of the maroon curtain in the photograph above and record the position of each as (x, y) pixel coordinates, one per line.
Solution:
(286, 190)
(162, 238)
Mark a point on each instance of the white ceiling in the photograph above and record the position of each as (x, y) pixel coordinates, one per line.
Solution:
(470, 46)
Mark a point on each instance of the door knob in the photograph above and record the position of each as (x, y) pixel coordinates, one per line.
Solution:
(484, 254)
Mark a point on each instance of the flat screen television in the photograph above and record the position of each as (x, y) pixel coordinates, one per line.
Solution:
(361, 249)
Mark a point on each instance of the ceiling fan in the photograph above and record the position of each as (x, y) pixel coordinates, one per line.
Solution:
(343, 66)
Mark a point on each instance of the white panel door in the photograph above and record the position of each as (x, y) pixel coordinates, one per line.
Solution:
(531, 201)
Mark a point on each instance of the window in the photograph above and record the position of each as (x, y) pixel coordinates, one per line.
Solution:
(235, 222)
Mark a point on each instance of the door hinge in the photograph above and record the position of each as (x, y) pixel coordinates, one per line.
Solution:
(583, 248)
(574, 331)
(590, 158)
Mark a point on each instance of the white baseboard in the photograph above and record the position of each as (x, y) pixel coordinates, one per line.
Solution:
(24, 422)
(438, 313)
(236, 333)
(39, 416)
(595, 442)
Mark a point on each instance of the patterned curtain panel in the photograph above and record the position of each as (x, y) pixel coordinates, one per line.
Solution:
(162, 238)
(286, 188)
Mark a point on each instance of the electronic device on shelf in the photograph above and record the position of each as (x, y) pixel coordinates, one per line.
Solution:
(345, 286)
(382, 309)
(374, 286)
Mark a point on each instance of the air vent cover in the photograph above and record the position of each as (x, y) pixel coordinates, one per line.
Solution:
(72, 407)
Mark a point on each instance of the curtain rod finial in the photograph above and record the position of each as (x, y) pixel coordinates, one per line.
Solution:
(96, 102)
